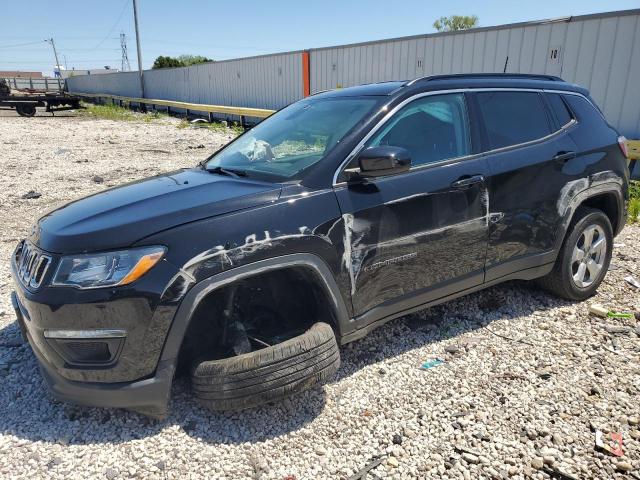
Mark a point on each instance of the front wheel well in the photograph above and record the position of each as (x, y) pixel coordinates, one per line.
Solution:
(608, 204)
(254, 312)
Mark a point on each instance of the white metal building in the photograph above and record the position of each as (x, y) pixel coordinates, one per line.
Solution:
(600, 52)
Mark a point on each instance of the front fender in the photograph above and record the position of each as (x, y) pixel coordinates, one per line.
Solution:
(201, 289)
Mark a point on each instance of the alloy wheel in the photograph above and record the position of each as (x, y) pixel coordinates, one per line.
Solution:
(589, 255)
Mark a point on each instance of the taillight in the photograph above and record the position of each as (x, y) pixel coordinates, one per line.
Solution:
(622, 141)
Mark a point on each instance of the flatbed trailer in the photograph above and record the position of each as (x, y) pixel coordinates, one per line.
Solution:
(26, 105)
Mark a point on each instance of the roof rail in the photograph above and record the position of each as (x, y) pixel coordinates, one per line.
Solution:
(524, 76)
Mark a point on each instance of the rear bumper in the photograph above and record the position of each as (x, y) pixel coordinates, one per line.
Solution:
(149, 396)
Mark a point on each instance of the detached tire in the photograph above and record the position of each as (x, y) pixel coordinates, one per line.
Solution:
(269, 374)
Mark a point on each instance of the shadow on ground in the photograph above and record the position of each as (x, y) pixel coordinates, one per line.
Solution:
(41, 113)
(27, 411)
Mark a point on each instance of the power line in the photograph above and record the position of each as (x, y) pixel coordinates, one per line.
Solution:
(106, 37)
(75, 37)
(39, 62)
(104, 49)
(21, 44)
(124, 7)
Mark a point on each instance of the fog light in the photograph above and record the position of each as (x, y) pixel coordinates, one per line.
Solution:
(87, 348)
(87, 352)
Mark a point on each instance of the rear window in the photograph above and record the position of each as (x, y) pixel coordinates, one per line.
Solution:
(511, 118)
(560, 110)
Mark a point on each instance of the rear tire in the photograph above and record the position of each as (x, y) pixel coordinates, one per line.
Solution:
(269, 374)
(584, 258)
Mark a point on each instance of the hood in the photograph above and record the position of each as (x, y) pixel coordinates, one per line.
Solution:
(119, 217)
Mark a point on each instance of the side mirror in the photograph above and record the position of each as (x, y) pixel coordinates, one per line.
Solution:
(384, 160)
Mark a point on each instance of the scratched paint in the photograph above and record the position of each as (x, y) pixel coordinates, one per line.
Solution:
(229, 257)
(573, 188)
(568, 193)
(484, 200)
(356, 253)
(353, 253)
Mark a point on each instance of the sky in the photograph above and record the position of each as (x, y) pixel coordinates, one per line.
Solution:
(87, 32)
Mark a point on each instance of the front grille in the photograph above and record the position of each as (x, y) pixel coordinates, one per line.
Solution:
(31, 264)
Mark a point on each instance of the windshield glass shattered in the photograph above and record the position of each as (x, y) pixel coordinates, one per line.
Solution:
(294, 138)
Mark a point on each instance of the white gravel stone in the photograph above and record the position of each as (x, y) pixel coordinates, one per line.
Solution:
(487, 398)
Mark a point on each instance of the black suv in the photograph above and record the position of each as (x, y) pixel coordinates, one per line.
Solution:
(336, 214)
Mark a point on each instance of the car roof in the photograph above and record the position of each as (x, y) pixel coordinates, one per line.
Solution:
(457, 81)
(376, 89)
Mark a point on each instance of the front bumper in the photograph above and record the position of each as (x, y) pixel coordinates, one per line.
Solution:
(143, 310)
(149, 396)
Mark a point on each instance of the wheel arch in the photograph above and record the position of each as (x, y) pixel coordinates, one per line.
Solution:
(608, 203)
(202, 289)
(607, 197)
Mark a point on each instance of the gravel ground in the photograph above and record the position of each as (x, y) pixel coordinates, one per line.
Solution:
(526, 378)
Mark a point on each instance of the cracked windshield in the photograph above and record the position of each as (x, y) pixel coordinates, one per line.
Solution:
(294, 138)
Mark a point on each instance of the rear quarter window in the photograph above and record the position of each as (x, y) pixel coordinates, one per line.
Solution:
(586, 113)
(593, 131)
(560, 109)
(511, 118)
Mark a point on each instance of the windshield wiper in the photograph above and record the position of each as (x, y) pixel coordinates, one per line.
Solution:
(230, 172)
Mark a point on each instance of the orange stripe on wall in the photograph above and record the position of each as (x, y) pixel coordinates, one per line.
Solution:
(306, 88)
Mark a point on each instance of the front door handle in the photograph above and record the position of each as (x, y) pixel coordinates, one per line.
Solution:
(466, 182)
(562, 157)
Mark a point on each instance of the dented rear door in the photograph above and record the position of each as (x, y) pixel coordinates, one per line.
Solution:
(531, 158)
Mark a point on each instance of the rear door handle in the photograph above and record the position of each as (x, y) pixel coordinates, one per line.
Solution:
(466, 182)
(564, 156)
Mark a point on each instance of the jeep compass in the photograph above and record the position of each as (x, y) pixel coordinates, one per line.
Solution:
(338, 213)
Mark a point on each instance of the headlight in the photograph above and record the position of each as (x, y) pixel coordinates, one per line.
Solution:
(108, 269)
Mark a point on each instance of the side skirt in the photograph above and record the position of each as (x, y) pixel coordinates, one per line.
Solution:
(527, 274)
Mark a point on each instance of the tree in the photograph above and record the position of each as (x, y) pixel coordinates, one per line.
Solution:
(181, 61)
(455, 23)
(166, 62)
(193, 59)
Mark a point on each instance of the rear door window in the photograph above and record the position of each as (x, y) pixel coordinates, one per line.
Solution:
(511, 118)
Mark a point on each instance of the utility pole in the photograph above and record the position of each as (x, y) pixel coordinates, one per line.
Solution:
(124, 66)
(55, 54)
(135, 18)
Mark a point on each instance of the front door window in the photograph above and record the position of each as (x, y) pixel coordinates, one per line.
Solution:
(432, 128)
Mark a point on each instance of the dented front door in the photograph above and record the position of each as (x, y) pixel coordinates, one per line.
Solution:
(414, 237)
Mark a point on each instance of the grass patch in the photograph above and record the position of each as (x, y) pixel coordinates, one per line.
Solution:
(218, 127)
(108, 112)
(634, 201)
(118, 113)
(154, 115)
(634, 210)
(634, 189)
